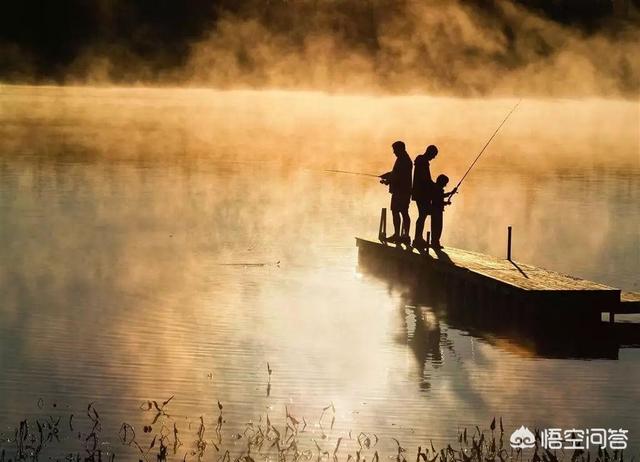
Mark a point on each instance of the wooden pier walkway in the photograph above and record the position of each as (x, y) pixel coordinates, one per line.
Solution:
(536, 290)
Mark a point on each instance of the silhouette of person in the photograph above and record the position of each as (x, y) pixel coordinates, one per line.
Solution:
(422, 192)
(437, 208)
(399, 181)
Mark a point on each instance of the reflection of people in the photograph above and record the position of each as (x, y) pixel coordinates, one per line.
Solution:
(421, 192)
(399, 181)
(437, 208)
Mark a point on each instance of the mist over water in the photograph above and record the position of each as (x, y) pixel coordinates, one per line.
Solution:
(160, 242)
(456, 47)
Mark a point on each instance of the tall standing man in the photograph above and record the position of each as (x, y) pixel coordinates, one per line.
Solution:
(399, 181)
(422, 192)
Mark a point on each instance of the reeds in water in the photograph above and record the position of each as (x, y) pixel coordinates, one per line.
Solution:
(163, 439)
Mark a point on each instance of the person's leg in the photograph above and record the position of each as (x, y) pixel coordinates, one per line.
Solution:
(436, 227)
(422, 216)
(406, 223)
(396, 224)
(396, 207)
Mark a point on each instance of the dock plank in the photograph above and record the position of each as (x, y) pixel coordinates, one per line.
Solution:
(528, 282)
(630, 297)
(629, 303)
(524, 291)
(517, 274)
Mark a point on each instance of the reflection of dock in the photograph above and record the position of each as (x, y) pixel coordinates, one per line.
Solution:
(437, 288)
(527, 291)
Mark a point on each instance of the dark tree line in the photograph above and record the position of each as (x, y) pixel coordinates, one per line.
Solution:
(51, 34)
(42, 37)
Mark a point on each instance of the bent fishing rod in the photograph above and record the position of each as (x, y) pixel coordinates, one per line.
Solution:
(486, 144)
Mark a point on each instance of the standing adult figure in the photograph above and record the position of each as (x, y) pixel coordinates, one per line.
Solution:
(422, 192)
(399, 181)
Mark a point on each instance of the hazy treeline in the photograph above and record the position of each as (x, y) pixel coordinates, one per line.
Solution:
(453, 47)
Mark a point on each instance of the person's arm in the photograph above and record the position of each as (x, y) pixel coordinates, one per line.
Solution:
(452, 192)
(448, 196)
(385, 178)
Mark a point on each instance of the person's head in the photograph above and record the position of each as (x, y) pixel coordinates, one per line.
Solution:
(442, 180)
(431, 152)
(398, 147)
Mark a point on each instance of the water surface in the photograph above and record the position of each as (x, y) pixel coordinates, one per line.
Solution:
(159, 243)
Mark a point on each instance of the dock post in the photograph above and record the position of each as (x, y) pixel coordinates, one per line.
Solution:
(428, 237)
(382, 228)
(509, 243)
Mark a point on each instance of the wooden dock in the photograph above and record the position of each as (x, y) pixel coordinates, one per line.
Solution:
(534, 292)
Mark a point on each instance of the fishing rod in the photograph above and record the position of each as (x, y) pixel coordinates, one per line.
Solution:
(352, 173)
(486, 144)
(468, 170)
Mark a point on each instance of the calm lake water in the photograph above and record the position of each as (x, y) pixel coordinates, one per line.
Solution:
(159, 243)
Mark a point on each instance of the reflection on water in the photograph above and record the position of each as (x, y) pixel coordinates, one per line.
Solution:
(433, 300)
(159, 243)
